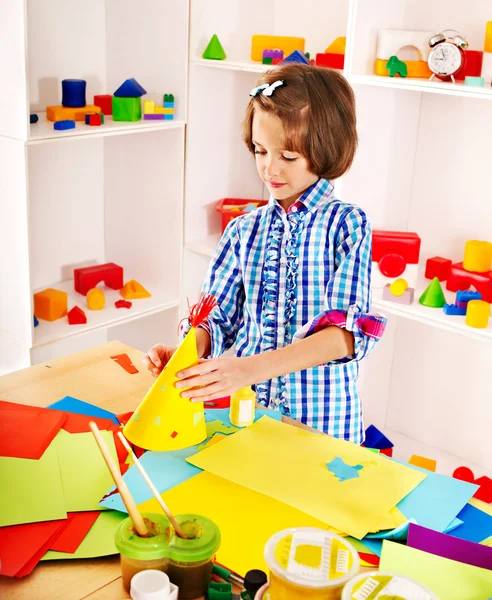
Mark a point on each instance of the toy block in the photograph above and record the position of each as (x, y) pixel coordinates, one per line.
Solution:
(462, 305)
(406, 244)
(272, 57)
(461, 279)
(105, 103)
(391, 41)
(168, 117)
(130, 89)
(33, 118)
(50, 304)
(285, 43)
(95, 119)
(123, 304)
(296, 57)
(376, 439)
(452, 310)
(405, 298)
(167, 111)
(484, 492)
(63, 125)
(168, 105)
(73, 93)
(159, 110)
(386, 451)
(396, 66)
(62, 113)
(477, 314)
(95, 299)
(433, 296)
(478, 256)
(474, 81)
(266, 61)
(472, 65)
(487, 45)
(86, 278)
(127, 109)
(153, 117)
(36, 322)
(330, 60)
(337, 46)
(415, 68)
(76, 316)
(398, 287)
(214, 50)
(149, 106)
(423, 462)
(466, 295)
(439, 267)
(168, 98)
(132, 290)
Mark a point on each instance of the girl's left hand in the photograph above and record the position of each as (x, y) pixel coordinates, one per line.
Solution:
(214, 378)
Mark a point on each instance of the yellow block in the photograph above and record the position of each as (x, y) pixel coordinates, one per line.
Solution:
(133, 290)
(50, 304)
(149, 107)
(415, 68)
(478, 256)
(265, 42)
(337, 46)
(423, 462)
(61, 113)
(487, 45)
(95, 299)
(160, 110)
(477, 314)
(398, 287)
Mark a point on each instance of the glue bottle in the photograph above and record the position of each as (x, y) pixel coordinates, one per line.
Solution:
(242, 410)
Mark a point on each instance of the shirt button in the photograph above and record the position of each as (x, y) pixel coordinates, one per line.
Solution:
(283, 260)
(294, 209)
(281, 330)
(281, 296)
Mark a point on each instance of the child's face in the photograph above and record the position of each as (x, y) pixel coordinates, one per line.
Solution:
(285, 173)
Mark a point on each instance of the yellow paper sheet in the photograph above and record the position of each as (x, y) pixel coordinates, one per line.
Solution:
(164, 421)
(246, 519)
(289, 464)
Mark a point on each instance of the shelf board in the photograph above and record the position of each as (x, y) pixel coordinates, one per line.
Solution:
(232, 65)
(43, 131)
(205, 246)
(52, 331)
(423, 85)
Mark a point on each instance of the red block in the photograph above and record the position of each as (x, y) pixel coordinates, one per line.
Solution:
(95, 119)
(472, 66)
(123, 304)
(439, 267)
(76, 316)
(333, 61)
(460, 279)
(402, 243)
(105, 103)
(88, 277)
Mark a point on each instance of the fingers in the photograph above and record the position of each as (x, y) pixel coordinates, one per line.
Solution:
(153, 359)
(210, 392)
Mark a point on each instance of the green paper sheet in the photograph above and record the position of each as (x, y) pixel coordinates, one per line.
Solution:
(98, 542)
(85, 476)
(448, 579)
(31, 490)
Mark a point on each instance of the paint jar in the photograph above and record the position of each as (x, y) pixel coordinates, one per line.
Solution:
(242, 409)
(139, 553)
(191, 560)
(309, 564)
(372, 584)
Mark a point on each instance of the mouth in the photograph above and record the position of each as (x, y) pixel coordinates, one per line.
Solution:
(276, 185)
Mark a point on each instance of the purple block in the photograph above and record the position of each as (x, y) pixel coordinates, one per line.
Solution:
(450, 547)
(462, 304)
(405, 298)
(273, 54)
(153, 117)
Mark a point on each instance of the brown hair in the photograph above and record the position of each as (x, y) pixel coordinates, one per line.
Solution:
(317, 109)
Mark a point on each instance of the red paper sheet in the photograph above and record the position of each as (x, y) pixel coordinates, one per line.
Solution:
(126, 362)
(372, 559)
(80, 423)
(70, 538)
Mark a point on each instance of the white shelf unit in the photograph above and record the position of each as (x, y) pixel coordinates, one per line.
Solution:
(91, 194)
(422, 165)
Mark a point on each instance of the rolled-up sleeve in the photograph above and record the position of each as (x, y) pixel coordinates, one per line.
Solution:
(348, 292)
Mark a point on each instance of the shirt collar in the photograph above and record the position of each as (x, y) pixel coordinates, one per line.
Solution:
(319, 193)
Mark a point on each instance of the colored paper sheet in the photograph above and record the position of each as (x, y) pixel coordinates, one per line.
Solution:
(21, 544)
(483, 506)
(73, 405)
(165, 469)
(31, 490)
(244, 528)
(451, 547)
(477, 525)
(222, 414)
(98, 542)
(85, 476)
(295, 473)
(125, 362)
(80, 423)
(219, 427)
(437, 500)
(71, 536)
(369, 560)
(448, 579)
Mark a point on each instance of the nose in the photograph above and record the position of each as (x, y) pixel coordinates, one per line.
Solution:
(272, 168)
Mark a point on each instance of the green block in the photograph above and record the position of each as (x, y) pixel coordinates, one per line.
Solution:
(102, 118)
(127, 109)
(474, 81)
(266, 61)
(396, 66)
(433, 296)
(168, 97)
(214, 50)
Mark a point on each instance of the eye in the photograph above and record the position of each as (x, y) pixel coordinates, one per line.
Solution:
(289, 159)
(259, 151)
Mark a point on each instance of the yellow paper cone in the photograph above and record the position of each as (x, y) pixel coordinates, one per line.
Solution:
(165, 421)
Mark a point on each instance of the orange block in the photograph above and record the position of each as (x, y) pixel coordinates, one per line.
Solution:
(50, 304)
(415, 68)
(95, 299)
(337, 46)
(424, 463)
(132, 289)
(60, 113)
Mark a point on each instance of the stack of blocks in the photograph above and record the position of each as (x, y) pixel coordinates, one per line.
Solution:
(127, 103)
(334, 56)
(272, 57)
(159, 113)
(73, 106)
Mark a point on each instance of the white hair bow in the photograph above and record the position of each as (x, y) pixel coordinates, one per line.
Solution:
(265, 89)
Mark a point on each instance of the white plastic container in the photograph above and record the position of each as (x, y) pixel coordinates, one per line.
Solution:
(152, 585)
(375, 584)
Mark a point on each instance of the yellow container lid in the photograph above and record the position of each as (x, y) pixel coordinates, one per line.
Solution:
(375, 584)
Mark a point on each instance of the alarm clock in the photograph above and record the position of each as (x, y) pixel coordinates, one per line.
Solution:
(447, 54)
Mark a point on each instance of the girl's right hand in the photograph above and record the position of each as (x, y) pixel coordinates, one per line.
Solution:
(157, 358)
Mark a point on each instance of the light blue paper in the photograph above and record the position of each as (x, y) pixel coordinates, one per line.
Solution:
(222, 414)
(72, 405)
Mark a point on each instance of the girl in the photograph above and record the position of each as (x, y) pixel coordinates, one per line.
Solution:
(297, 270)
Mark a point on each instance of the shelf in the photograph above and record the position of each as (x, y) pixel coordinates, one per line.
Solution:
(47, 332)
(43, 131)
(232, 65)
(205, 246)
(423, 85)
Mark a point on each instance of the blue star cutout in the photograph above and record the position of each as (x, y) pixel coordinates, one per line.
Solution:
(343, 471)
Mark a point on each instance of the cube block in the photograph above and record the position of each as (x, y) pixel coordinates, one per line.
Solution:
(50, 304)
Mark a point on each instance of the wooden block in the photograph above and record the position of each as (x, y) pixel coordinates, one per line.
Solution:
(285, 43)
(50, 304)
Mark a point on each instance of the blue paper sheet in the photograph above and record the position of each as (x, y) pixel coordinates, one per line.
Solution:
(477, 525)
(222, 414)
(72, 405)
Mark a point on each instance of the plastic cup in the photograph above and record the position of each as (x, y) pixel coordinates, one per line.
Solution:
(378, 583)
(152, 585)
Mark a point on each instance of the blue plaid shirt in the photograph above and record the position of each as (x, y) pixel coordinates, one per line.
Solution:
(279, 276)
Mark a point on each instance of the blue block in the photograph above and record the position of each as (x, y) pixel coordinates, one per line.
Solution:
(33, 118)
(88, 119)
(467, 295)
(168, 104)
(130, 89)
(62, 125)
(376, 439)
(453, 310)
(73, 93)
(296, 57)
(36, 322)
(168, 117)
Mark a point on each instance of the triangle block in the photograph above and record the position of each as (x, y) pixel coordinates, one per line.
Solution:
(337, 46)
(132, 290)
(296, 57)
(214, 50)
(76, 316)
(433, 296)
(376, 439)
(130, 89)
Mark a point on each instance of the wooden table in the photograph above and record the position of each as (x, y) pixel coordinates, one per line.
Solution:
(93, 377)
